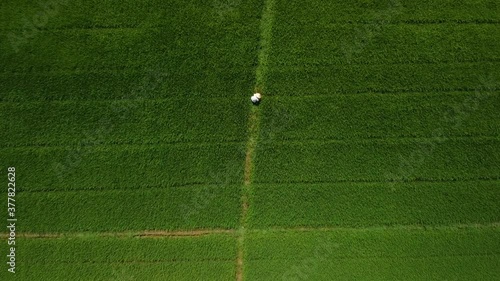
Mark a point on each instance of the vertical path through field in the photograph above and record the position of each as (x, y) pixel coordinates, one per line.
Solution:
(266, 24)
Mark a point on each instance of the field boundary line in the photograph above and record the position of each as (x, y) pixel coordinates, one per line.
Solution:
(383, 257)
(204, 232)
(184, 233)
(386, 140)
(106, 70)
(77, 101)
(390, 63)
(375, 228)
(394, 92)
(197, 185)
(320, 68)
(139, 261)
(92, 27)
(125, 234)
(112, 146)
(410, 22)
(367, 181)
(266, 24)
(416, 91)
(341, 22)
(123, 145)
(253, 135)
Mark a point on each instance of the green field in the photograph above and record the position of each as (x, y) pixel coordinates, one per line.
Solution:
(127, 258)
(375, 254)
(375, 154)
(359, 205)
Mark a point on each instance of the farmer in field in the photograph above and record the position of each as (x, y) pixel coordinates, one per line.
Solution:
(256, 98)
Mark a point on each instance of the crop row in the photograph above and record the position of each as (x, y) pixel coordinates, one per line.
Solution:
(378, 254)
(121, 122)
(296, 13)
(331, 80)
(180, 14)
(125, 166)
(342, 44)
(90, 258)
(150, 49)
(375, 204)
(194, 207)
(164, 49)
(342, 117)
(360, 47)
(153, 83)
(378, 160)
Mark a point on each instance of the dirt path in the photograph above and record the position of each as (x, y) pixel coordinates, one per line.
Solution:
(253, 128)
(202, 232)
(159, 233)
(253, 134)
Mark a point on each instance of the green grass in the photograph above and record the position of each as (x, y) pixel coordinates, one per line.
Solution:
(375, 204)
(367, 116)
(100, 258)
(379, 113)
(331, 48)
(105, 167)
(154, 49)
(379, 160)
(395, 44)
(375, 254)
(190, 207)
(125, 116)
(321, 13)
(173, 120)
(382, 78)
(379, 122)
